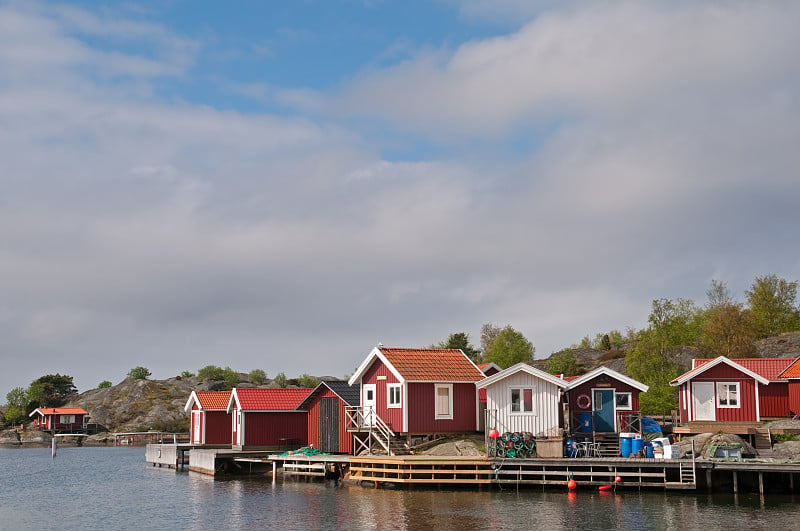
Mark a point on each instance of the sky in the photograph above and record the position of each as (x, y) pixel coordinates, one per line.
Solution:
(283, 185)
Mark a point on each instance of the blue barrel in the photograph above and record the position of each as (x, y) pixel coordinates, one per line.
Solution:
(648, 450)
(625, 446)
(636, 445)
(585, 422)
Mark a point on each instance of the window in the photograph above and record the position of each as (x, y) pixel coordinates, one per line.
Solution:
(444, 401)
(521, 400)
(728, 394)
(623, 401)
(393, 394)
(67, 419)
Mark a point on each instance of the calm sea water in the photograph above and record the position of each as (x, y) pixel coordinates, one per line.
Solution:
(113, 488)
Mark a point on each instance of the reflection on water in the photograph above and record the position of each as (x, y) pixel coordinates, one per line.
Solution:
(113, 488)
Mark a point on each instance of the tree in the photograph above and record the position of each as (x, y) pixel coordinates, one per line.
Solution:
(488, 333)
(257, 376)
(280, 380)
(508, 347)
(563, 362)
(16, 405)
(211, 372)
(654, 360)
(727, 331)
(139, 373)
(773, 307)
(460, 340)
(230, 377)
(105, 384)
(718, 295)
(51, 390)
(187, 374)
(305, 380)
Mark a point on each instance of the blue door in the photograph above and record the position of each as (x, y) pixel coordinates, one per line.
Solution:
(603, 404)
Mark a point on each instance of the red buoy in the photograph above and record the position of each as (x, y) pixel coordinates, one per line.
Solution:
(493, 434)
(605, 487)
(618, 479)
(572, 484)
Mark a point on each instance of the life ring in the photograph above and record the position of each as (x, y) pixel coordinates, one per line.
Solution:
(583, 401)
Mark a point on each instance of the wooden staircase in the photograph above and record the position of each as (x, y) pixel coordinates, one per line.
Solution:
(609, 444)
(762, 439)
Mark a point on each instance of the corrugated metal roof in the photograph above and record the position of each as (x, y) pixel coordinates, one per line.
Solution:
(432, 365)
(258, 399)
(213, 399)
(769, 368)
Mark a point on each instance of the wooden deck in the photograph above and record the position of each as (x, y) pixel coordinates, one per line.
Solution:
(736, 428)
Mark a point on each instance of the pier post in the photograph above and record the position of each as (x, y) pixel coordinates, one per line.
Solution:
(708, 480)
(761, 483)
(791, 482)
(735, 482)
(274, 469)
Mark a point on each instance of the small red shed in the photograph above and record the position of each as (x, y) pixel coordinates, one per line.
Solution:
(327, 415)
(60, 419)
(210, 421)
(603, 400)
(420, 391)
(268, 418)
(791, 375)
(722, 389)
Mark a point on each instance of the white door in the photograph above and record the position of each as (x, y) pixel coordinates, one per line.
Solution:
(197, 417)
(368, 404)
(703, 401)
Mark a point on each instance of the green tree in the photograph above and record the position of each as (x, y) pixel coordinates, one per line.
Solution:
(187, 374)
(280, 380)
(305, 380)
(460, 340)
(211, 372)
(105, 384)
(51, 390)
(257, 376)
(654, 360)
(230, 377)
(16, 405)
(488, 333)
(563, 362)
(508, 347)
(773, 307)
(139, 373)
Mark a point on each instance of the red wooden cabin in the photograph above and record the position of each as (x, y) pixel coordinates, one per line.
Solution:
(327, 415)
(419, 391)
(60, 419)
(210, 420)
(268, 418)
(603, 400)
(791, 375)
(745, 390)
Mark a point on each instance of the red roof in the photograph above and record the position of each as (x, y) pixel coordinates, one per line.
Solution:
(769, 368)
(62, 411)
(270, 399)
(792, 371)
(213, 399)
(432, 365)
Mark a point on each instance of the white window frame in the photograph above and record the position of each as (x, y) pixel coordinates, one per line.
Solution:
(66, 419)
(628, 407)
(436, 414)
(720, 389)
(391, 404)
(521, 390)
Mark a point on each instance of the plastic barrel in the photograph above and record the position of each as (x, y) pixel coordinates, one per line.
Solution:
(648, 449)
(636, 445)
(572, 450)
(625, 446)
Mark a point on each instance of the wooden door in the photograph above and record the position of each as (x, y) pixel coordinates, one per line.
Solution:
(329, 425)
(703, 401)
(604, 414)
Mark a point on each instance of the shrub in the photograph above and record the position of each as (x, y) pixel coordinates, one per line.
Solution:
(783, 437)
(280, 380)
(211, 372)
(139, 373)
(307, 381)
(105, 384)
(257, 376)
(187, 374)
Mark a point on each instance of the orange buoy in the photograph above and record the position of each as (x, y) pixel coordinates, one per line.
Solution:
(572, 484)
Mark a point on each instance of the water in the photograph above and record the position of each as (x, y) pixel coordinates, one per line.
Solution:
(113, 488)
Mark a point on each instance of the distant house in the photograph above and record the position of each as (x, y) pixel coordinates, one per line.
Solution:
(489, 368)
(210, 420)
(419, 391)
(603, 401)
(268, 418)
(734, 390)
(60, 419)
(524, 399)
(327, 407)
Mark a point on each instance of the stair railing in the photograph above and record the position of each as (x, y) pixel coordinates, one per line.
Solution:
(362, 420)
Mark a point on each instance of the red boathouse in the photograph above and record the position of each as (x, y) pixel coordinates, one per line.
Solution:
(210, 420)
(327, 415)
(60, 419)
(268, 418)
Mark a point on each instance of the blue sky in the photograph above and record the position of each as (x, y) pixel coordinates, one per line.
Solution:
(282, 185)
